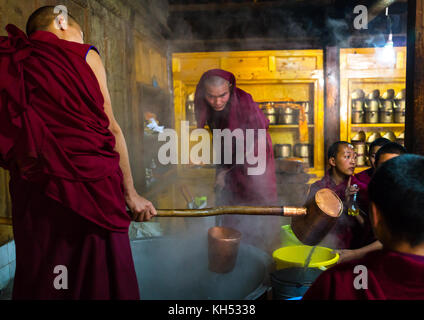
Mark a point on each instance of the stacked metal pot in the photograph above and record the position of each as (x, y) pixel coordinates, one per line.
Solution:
(376, 108)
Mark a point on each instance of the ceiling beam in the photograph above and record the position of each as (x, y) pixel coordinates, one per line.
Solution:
(380, 6)
(248, 4)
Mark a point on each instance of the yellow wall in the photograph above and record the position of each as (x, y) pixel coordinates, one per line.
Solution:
(267, 76)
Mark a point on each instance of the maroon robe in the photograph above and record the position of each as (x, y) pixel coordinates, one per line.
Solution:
(240, 188)
(66, 183)
(243, 113)
(391, 275)
(347, 233)
(362, 179)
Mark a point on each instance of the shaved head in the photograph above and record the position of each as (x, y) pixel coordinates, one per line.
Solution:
(215, 81)
(42, 18)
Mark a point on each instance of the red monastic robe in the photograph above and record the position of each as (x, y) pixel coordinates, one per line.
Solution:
(389, 275)
(66, 183)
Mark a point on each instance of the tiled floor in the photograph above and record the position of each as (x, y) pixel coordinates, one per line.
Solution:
(6, 293)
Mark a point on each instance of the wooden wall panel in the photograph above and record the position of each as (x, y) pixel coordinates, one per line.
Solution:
(111, 26)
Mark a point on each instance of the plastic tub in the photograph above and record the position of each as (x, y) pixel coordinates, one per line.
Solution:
(295, 256)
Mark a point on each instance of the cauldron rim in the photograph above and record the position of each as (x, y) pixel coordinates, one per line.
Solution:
(264, 257)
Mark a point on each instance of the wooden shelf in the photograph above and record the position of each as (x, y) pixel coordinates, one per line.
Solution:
(381, 125)
(287, 126)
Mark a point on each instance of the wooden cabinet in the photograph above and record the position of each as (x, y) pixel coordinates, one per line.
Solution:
(268, 76)
(369, 69)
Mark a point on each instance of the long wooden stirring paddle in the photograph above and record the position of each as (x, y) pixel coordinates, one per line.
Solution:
(242, 210)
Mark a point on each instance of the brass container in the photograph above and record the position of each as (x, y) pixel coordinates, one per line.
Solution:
(386, 113)
(361, 160)
(401, 139)
(223, 245)
(399, 107)
(359, 137)
(360, 147)
(372, 107)
(282, 150)
(358, 112)
(323, 211)
(371, 138)
(390, 135)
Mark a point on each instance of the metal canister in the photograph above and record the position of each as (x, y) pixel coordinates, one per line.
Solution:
(360, 147)
(190, 114)
(358, 106)
(361, 160)
(308, 112)
(401, 139)
(399, 107)
(270, 112)
(303, 151)
(282, 150)
(386, 113)
(390, 136)
(287, 115)
(372, 107)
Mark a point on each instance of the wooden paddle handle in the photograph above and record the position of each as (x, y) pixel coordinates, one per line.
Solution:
(266, 211)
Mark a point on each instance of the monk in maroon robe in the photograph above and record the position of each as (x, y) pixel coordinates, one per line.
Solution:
(348, 232)
(396, 272)
(221, 105)
(363, 178)
(67, 157)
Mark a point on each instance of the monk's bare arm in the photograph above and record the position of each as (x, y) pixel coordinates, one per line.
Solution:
(140, 207)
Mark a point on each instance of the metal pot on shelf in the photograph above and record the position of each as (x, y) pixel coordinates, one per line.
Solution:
(372, 107)
(287, 115)
(282, 150)
(401, 139)
(386, 113)
(190, 114)
(358, 112)
(308, 111)
(373, 136)
(361, 160)
(303, 151)
(270, 112)
(399, 107)
(360, 147)
(390, 135)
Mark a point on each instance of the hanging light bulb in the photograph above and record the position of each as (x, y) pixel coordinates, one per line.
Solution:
(388, 55)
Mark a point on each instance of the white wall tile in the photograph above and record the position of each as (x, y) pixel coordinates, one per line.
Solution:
(4, 276)
(12, 269)
(4, 256)
(11, 251)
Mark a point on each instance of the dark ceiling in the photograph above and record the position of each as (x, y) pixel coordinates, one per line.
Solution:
(280, 24)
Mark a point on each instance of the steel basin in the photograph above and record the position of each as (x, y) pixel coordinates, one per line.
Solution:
(170, 268)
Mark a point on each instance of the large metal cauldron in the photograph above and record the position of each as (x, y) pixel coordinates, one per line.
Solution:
(171, 268)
